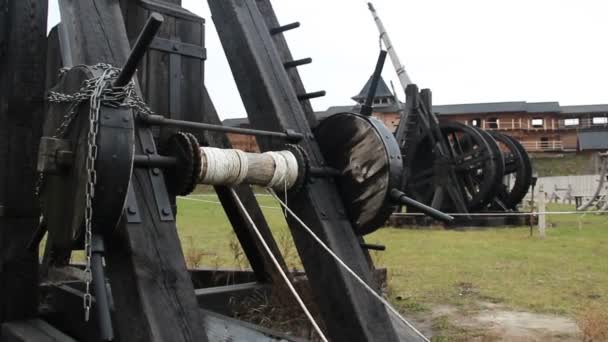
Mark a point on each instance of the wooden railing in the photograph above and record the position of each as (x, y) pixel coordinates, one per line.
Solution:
(519, 124)
(581, 123)
(543, 146)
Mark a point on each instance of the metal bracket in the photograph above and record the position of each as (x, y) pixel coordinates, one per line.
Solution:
(175, 46)
(175, 84)
(159, 187)
(160, 196)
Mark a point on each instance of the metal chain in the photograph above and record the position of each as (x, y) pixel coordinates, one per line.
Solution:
(98, 91)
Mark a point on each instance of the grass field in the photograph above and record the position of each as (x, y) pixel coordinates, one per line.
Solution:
(562, 274)
(567, 164)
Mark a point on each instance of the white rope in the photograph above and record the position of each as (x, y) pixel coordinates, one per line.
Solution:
(230, 167)
(280, 169)
(223, 167)
(337, 258)
(278, 266)
(285, 169)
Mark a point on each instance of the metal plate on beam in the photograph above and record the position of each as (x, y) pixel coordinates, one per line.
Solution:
(175, 46)
(161, 198)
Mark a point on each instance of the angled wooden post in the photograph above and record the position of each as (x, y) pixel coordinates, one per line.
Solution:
(22, 89)
(273, 102)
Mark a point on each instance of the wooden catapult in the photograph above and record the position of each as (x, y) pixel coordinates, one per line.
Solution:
(107, 120)
(452, 166)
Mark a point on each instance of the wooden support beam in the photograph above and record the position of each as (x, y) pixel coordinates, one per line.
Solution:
(64, 304)
(22, 89)
(349, 311)
(220, 298)
(35, 330)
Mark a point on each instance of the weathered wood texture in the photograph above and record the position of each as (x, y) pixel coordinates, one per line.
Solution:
(272, 21)
(146, 266)
(217, 327)
(35, 330)
(22, 85)
(350, 313)
(173, 85)
(172, 73)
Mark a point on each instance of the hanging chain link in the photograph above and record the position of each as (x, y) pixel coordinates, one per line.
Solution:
(98, 91)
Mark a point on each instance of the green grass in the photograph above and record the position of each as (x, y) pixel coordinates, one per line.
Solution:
(560, 274)
(203, 225)
(565, 165)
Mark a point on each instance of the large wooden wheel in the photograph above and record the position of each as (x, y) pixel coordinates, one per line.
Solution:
(473, 167)
(517, 177)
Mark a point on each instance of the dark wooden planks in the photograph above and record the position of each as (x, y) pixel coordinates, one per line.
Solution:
(350, 313)
(146, 266)
(22, 86)
(221, 299)
(35, 330)
(65, 302)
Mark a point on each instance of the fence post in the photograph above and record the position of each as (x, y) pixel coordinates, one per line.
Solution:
(542, 224)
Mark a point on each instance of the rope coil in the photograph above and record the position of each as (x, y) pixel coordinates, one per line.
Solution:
(231, 167)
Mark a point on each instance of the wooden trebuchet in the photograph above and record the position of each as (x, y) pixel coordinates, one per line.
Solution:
(111, 170)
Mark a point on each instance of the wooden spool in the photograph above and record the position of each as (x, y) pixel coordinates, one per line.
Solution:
(259, 168)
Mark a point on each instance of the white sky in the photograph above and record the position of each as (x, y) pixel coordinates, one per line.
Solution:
(465, 51)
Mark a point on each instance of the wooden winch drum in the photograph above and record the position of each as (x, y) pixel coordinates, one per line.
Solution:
(63, 189)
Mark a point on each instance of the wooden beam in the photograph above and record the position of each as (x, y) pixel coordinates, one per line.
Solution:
(65, 301)
(35, 330)
(22, 89)
(349, 311)
(219, 299)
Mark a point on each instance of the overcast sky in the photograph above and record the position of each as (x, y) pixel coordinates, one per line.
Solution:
(465, 51)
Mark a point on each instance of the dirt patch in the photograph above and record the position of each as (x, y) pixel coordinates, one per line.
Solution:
(495, 323)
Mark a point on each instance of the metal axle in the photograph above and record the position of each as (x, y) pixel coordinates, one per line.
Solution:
(102, 304)
(162, 121)
(400, 197)
(143, 160)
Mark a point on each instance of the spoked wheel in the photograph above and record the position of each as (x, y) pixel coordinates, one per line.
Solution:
(517, 177)
(472, 166)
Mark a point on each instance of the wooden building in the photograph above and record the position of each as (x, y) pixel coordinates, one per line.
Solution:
(542, 127)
